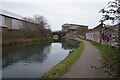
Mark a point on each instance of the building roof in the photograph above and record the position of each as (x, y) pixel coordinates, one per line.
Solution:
(10, 14)
(13, 16)
(75, 25)
(95, 29)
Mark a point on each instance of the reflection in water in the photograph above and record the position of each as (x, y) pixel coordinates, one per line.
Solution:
(36, 52)
(69, 44)
(34, 59)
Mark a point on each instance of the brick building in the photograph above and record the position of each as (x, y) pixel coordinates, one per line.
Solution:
(104, 34)
(110, 35)
(95, 33)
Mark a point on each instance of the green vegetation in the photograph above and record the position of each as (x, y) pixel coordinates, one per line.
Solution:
(58, 70)
(110, 55)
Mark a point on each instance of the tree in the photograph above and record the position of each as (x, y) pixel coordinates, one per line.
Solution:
(36, 26)
(41, 21)
(111, 16)
(112, 12)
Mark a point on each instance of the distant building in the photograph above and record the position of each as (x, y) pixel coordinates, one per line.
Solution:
(73, 27)
(74, 30)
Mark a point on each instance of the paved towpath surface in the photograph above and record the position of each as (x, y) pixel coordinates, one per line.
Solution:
(89, 64)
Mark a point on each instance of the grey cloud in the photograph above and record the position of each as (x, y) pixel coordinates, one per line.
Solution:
(59, 12)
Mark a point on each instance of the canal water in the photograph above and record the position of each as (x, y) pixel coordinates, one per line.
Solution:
(32, 60)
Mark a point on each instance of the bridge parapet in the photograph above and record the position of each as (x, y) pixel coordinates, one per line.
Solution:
(59, 33)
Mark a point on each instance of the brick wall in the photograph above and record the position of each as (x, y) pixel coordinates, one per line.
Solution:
(109, 34)
(95, 33)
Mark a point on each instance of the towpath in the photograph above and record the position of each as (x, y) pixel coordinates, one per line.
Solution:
(89, 64)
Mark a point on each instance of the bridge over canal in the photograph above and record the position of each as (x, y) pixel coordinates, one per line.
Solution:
(59, 33)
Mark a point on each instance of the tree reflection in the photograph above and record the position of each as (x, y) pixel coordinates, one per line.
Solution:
(27, 53)
(69, 44)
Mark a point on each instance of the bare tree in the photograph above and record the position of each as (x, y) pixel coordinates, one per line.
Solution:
(36, 26)
(41, 21)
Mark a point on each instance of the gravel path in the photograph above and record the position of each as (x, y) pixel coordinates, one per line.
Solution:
(89, 64)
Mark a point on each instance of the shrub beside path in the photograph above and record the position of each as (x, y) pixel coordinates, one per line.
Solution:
(89, 64)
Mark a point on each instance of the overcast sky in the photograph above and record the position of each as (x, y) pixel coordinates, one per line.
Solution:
(58, 12)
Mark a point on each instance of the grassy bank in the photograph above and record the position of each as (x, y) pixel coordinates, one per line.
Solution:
(58, 70)
(110, 56)
(18, 41)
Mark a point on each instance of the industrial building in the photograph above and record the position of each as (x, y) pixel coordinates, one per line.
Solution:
(10, 20)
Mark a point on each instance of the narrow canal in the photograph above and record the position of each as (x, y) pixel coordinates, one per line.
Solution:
(32, 60)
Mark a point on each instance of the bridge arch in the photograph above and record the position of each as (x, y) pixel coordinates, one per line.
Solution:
(59, 33)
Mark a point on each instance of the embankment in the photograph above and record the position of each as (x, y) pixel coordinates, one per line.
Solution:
(18, 41)
(12, 36)
(58, 70)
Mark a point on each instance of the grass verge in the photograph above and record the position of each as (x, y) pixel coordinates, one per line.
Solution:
(58, 70)
(110, 58)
